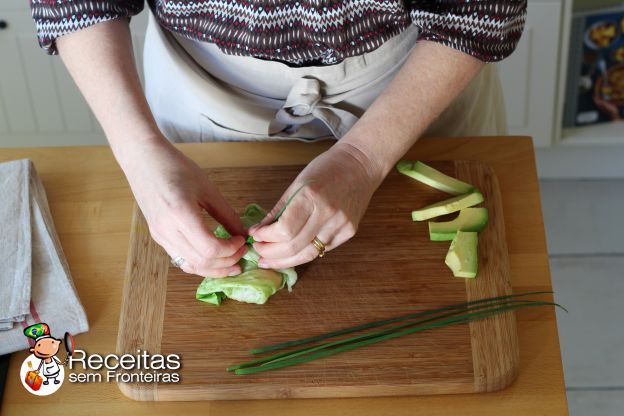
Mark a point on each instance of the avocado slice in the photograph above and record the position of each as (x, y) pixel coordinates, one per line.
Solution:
(469, 219)
(434, 178)
(462, 257)
(447, 206)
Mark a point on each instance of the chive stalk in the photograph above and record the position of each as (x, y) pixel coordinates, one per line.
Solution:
(376, 324)
(288, 201)
(290, 354)
(355, 342)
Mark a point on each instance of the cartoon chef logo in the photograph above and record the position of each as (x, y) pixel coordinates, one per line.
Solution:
(42, 373)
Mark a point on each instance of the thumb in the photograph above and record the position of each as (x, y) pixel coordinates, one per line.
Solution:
(270, 217)
(281, 205)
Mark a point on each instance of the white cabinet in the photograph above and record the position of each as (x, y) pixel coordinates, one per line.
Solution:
(39, 102)
(530, 75)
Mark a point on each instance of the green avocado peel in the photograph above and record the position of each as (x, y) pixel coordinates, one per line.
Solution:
(429, 176)
(469, 219)
(462, 256)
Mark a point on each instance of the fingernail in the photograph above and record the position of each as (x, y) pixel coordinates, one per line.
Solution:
(263, 264)
(234, 273)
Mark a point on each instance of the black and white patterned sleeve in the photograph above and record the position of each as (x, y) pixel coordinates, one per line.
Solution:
(488, 30)
(60, 17)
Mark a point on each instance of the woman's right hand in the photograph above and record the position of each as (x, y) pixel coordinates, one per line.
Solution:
(172, 192)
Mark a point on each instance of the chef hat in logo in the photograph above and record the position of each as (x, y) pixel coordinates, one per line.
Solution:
(38, 331)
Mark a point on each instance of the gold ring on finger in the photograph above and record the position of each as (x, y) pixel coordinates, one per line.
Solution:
(320, 246)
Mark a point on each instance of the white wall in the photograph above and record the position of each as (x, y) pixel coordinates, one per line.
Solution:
(39, 102)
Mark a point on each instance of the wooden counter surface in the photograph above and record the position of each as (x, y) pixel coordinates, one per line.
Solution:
(91, 204)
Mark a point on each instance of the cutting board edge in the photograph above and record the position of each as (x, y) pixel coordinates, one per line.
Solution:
(270, 392)
(148, 332)
(139, 392)
(488, 377)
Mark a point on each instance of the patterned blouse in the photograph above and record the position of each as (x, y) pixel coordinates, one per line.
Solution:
(304, 32)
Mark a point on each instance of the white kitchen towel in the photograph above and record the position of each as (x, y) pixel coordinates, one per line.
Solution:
(15, 243)
(51, 295)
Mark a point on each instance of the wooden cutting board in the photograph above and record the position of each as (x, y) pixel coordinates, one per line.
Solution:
(389, 268)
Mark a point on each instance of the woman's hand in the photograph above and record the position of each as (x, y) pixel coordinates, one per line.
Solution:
(340, 182)
(172, 192)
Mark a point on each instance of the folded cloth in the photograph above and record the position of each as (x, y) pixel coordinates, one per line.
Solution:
(35, 282)
(15, 243)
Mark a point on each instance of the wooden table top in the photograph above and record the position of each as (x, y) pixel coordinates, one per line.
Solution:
(91, 204)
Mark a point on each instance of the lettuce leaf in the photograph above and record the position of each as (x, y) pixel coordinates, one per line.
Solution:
(253, 285)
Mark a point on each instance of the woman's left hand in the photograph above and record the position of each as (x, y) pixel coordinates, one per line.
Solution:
(341, 182)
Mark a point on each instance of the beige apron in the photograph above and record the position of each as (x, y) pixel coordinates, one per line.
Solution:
(198, 93)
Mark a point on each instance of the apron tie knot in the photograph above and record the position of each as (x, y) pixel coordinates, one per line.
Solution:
(304, 104)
